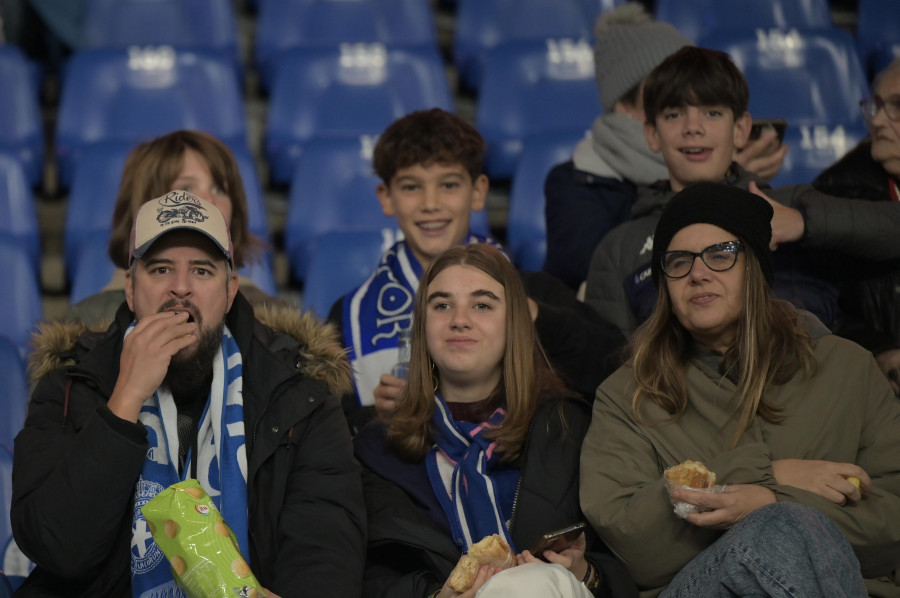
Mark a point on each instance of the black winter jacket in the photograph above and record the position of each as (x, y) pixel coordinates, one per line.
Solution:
(869, 300)
(410, 549)
(581, 208)
(76, 464)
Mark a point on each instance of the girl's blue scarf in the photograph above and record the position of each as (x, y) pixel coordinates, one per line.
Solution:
(221, 466)
(374, 314)
(474, 488)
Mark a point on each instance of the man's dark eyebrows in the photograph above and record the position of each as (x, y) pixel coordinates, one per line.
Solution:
(207, 263)
(156, 261)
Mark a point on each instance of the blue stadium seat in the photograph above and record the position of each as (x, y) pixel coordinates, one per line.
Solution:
(91, 268)
(341, 262)
(526, 227)
(261, 274)
(136, 94)
(295, 23)
(14, 398)
(18, 215)
(352, 90)
(21, 125)
(809, 77)
(6, 465)
(334, 190)
(877, 34)
(534, 87)
(20, 295)
(15, 565)
(813, 149)
(698, 18)
(92, 196)
(482, 25)
(183, 24)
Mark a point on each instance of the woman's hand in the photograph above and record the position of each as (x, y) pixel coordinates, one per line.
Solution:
(825, 478)
(572, 558)
(484, 573)
(723, 510)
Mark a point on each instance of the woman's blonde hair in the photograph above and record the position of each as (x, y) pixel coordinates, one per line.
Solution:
(150, 170)
(771, 346)
(525, 379)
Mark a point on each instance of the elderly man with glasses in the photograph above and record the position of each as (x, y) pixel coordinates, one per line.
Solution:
(870, 303)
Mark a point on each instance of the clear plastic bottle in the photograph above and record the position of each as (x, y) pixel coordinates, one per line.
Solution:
(401, 368)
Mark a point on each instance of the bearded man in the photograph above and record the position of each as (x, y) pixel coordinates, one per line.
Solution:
(187, 383)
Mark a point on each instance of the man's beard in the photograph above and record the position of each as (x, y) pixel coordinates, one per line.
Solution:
(190, 370)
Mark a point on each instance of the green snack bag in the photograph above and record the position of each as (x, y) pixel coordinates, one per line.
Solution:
(201, 548)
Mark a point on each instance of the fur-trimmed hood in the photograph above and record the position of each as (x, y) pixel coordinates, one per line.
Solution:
(323, 358)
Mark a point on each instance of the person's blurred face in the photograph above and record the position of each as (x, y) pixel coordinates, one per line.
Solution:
(885, 132)
(196, 178)
(697, 142)
(707, 303)
(465, 328)
(432, 205)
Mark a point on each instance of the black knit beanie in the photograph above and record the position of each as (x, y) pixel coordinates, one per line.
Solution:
(746, 215)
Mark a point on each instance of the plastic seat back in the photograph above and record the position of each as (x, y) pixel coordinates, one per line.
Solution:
(92, 197)
(812, 149)
(185, 24)
(807, 77)
(21, 124)
(526, 228)
(295, 23)
(14, 399)
(340, 263)
(534, 87)
(482, 25)
(351, 90)
(18, 214)
(20, 295)
(136, 94)
(877, 34)
(698, 18)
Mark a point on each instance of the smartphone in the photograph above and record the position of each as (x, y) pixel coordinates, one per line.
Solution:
(761, 124)
(558, 540)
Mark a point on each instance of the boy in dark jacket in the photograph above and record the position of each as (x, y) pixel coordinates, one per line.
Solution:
(695, 103)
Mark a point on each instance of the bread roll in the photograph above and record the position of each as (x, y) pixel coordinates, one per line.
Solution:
(490, 550)
(692, 474)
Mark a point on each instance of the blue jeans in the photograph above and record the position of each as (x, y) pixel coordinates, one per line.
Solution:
(782, 549)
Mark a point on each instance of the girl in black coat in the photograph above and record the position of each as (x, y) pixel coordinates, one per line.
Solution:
(483, 442)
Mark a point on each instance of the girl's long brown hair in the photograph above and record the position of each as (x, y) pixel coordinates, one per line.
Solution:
(526, 375)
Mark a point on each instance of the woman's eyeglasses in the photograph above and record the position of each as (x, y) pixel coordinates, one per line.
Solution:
(718, 257)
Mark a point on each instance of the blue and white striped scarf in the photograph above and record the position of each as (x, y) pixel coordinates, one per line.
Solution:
(474, 488)
(221, 466)
(374, 313)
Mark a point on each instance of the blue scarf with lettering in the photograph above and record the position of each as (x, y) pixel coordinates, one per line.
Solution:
(374, 313)
(221, 466)
(476, 490)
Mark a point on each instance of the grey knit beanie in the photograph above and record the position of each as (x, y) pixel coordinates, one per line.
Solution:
(629, 45)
